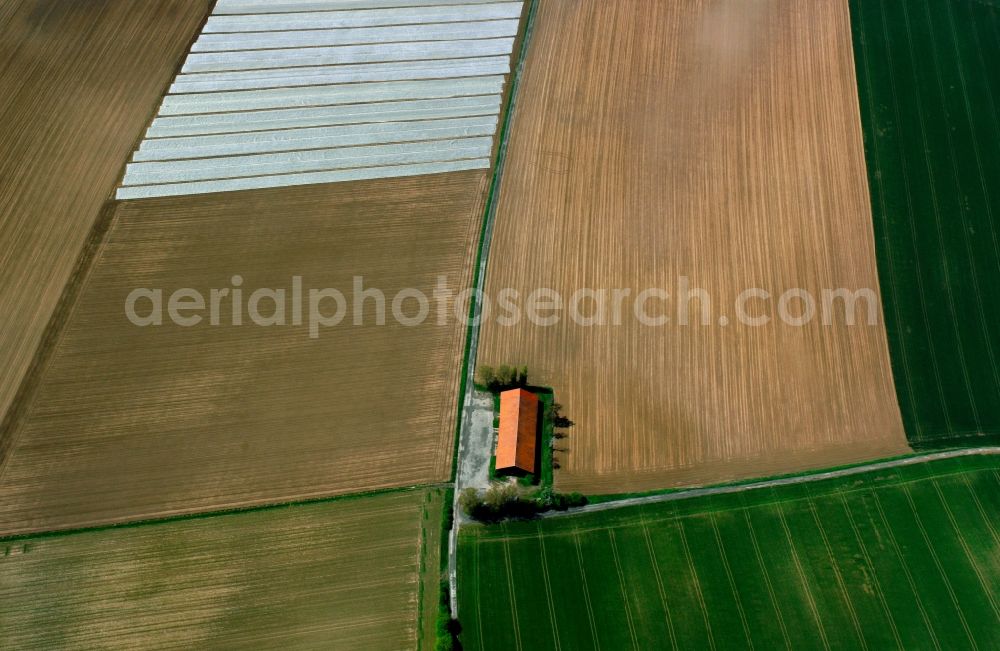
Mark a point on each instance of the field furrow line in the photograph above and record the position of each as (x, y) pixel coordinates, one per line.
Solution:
(982, 511)
(906, 568)
(918, 273)
(621, 582)
(992, 113)
(802, 577)
(980, 300)
(871, 570)
(936, 206)
(697, 584)
(968, 552)
(767, 579)
(732, 581)
(659, 580)
(940, 567)
(838, 575)
(586, 591)
(510, 592)
(548, 588)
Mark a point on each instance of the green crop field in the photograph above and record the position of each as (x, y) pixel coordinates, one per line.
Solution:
(902, 558)
(930, 93)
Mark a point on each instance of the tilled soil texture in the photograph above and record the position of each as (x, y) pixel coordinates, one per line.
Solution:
(335, 575)
(132, 422)
(79, 82)
(719, 142)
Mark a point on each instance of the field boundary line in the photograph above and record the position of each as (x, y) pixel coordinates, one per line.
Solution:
(838, 575)
(548, 588)
(767, 578)
(732, 581)
(697, 584)
(659, 581)
(634, 521)
(906, 568)
(940, 568)
(874, 574)
(467, 381)
(510, 592)
(810, 599)
(691, 493)
(621, 584)
(968, 552)
(586, 590)
(884, 218)
(236, 510)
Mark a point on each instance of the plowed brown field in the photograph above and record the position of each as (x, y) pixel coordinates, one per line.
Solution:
(718, 141)
(340, 575)
(79, 81)
(129, 422)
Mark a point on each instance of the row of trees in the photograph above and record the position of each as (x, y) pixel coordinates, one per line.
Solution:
(510, 501)
(502, 378)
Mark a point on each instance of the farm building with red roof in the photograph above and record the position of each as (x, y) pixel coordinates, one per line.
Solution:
(516, 441)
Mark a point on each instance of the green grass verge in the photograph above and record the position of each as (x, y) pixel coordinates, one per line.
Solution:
(897, 558)
(487, 217)
(930, 94)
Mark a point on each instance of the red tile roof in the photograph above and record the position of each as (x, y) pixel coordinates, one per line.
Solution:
(518, 430)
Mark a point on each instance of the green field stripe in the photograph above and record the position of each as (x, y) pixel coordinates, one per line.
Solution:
(946, 614)
(468, 567)
(621, 582)
(724, 613)
(548, 590)
(785, 569)
(951, 320)
(658, 577)
(690, 623)
(949, 539)
(955, 568)
(820, 575)
(908, 217)
(495, 598)
(982, 201)
(980, 509)
(586, 590)
(763, 617)
(646, 602)
(737, 597)
(852, 566)
(982, 74)
(869, 570)
(839, 575)
(969, 527)
(890, 563)
(512, 593)
(534, 622)
(573, 615)
(696, 583)
(610, 608)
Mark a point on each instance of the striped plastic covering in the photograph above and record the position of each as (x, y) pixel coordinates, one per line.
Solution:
(289, 92)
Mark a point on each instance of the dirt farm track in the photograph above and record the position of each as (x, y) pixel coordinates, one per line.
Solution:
(717, 141)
